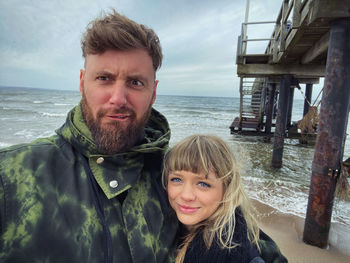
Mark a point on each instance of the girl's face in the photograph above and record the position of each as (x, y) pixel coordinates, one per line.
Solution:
(194, 197)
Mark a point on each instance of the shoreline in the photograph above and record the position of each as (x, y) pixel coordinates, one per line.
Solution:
(287, 231)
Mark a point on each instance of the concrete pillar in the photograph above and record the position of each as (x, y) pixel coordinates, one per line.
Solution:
(329, 146)
(281, 121)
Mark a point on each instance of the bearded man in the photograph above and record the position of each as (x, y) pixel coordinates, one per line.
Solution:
(92, 193)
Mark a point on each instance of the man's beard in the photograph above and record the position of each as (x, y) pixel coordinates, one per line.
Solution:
(113, 137)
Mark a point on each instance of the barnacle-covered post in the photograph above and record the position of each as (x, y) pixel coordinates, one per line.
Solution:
(329, 146)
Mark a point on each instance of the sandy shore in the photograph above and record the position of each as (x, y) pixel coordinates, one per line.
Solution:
(287, 230)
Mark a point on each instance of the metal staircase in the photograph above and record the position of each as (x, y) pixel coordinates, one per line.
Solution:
(252, 105)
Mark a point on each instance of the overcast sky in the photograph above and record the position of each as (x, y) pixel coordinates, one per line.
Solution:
(40, 41)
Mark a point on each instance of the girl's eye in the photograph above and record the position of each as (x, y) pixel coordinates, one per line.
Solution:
(204, 185)
(175, 180)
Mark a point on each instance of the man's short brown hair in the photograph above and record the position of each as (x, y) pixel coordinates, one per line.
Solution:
(117, 32)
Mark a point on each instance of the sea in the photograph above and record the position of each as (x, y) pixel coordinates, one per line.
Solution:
(27, 114)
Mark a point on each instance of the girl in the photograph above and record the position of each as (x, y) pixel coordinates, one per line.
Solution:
(205, 190)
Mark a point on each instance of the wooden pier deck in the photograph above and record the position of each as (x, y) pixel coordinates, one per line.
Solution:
(297, 46)
(302, 49)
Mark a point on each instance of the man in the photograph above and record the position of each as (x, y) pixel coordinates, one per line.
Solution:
(92, 193)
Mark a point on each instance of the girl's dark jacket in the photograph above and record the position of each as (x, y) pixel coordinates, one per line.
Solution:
(244, 252)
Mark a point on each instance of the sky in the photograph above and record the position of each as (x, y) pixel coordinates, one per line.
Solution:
(40, 41)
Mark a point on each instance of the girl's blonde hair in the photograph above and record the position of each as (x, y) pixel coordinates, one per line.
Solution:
(204, 154)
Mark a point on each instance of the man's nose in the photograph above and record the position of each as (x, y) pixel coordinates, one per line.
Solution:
(118, 96)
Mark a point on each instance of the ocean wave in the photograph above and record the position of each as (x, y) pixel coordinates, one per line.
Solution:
(14, 111)
(4, 144)
(5, 108)
(32, 134)
(62, 104)
(47, 114)
(292, 200)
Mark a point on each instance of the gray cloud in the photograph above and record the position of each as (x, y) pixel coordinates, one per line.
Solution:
(40, 40)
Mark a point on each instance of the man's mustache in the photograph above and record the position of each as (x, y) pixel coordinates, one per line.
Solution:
(123, 110)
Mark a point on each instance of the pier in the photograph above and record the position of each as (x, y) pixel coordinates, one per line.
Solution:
(310, 40)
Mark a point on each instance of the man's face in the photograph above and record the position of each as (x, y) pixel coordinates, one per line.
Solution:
(118, 90)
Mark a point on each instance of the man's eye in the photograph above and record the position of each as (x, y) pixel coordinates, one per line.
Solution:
(137, 83)
(103, 78)
(204, 185)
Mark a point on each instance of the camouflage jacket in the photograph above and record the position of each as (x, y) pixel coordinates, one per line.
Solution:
(53, 209)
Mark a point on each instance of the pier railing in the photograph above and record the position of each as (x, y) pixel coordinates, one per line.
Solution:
(243, 40)
(291, 15)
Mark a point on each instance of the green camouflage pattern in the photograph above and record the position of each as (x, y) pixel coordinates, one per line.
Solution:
(46, 207)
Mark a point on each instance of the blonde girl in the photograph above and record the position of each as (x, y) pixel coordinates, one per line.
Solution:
(204, 188)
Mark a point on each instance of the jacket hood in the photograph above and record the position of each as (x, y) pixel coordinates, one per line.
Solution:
(76, 132)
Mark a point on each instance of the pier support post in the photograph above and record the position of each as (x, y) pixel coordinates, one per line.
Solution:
(240, 104)
(269, 109)
(281, 121)
(329, 146)
(290, 107)
(307, 100)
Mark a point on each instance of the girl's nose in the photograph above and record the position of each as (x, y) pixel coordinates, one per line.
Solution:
(188, 193)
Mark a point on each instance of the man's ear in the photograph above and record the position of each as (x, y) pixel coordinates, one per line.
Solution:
(155, 91)
(81, 83)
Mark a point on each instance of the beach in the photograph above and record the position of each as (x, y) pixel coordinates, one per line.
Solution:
(287, 231)
(280, 195)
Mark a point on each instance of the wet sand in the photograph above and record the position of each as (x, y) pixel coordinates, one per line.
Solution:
(287, 231)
